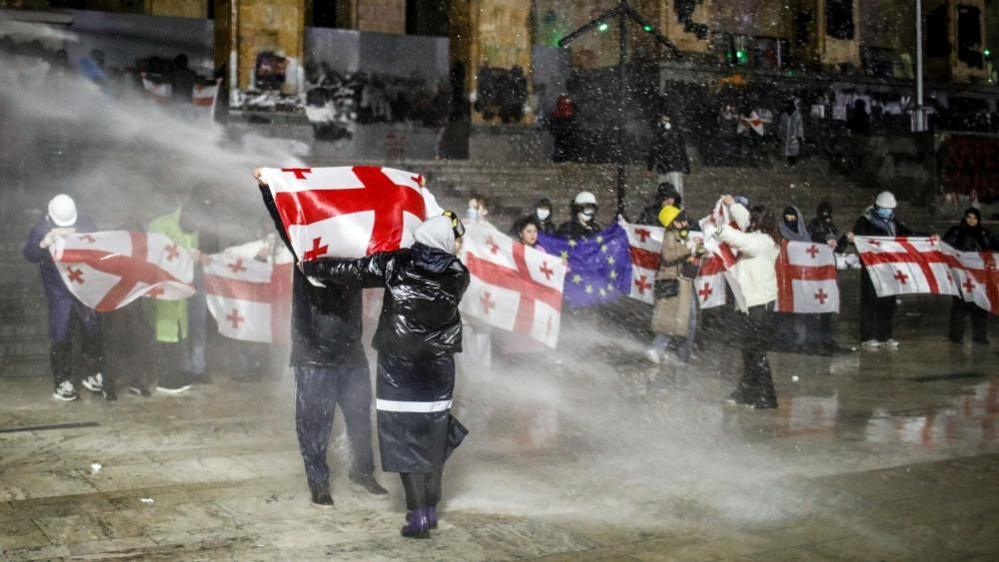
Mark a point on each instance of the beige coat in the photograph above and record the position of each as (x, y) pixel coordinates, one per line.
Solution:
(671, 315)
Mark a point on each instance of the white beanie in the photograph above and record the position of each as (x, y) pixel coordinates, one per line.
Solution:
(437, 233)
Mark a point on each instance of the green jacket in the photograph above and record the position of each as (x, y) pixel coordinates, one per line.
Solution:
(170, 317)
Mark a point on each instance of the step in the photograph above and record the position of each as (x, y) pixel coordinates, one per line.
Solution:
(15, 366)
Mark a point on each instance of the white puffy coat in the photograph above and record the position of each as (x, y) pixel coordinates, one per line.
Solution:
(755, 271)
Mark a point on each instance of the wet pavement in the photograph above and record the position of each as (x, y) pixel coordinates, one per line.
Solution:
(591, 456)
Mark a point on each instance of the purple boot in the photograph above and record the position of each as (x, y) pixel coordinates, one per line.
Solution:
(431, 515)
(418, 524)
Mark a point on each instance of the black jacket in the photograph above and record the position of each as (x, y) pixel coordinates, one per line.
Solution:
(966, 239)
(423, 286)
(575, 229)
(326, 323)
(822, 231)
(870, 225)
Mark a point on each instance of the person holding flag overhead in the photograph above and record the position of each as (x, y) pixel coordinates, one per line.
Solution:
(330, 369)
(755, 237)
(418, 333)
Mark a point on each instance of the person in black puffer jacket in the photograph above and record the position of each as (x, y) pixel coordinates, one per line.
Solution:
(418, 333)
(330, 369)
(970, 236)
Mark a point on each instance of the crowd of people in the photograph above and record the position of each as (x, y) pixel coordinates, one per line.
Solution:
(420, 330)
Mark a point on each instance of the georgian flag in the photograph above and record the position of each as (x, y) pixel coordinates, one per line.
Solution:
(709, 286)
(204, 96)
(249, 299)
(906, 265)
(806, 278)
(512, 287)
(646, 244)
(159, 91)
(978, 278)
(108, 270)
(348, 212)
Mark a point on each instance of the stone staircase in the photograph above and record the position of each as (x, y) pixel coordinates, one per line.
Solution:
(515, 187)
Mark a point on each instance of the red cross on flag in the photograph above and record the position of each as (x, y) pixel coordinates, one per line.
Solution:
(709, 286)
(906, 265)
(977, 277)
(249, 299)
(108, 270)
(204, 96)
(646, 244)
(806, 278)
(156, 88)
(512, 287)
(348, 212)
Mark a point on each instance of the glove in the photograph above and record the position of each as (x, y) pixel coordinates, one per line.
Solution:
(55, 234)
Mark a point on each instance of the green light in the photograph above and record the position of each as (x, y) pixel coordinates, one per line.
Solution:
(603, 26)
(987, 52)
(648, 29)
(741, 56)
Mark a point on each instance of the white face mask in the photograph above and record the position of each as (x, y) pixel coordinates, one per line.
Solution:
(472, 213)
(585, 216)
(668, 125)
(543, 214)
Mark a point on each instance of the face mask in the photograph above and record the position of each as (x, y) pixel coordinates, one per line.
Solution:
(472, 214)
(667, 125)
(543, 214)
(885, 213)
(585, 216)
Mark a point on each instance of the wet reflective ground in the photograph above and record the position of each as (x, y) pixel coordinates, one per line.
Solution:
(590, 456)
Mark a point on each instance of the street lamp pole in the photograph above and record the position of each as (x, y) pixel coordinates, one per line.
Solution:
(920, 124)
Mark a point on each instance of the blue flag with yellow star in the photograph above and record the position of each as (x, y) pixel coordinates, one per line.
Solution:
(599, 266)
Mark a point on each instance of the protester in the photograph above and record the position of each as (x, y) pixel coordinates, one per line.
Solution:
(675, 313)
(792, 328)
(527, 232)
(822, 230)
(170, 318)
(791, 129)
(667, 155)
(182, 81)
(970, 236)
(418, 334)
(478, 208)
(330, 368)
(666, 194)
(128, 344)
(755, 238)
(582, 221)
(563, 126)
(65, 311)
(877, 313)
(202, 213)
(477, 356)
(542, 218)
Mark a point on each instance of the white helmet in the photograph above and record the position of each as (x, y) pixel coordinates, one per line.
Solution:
(62, 210)
(886, 200)
(585, 198)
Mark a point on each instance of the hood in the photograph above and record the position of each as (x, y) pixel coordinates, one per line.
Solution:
(431, 259)
(800, 232)
(436, 232)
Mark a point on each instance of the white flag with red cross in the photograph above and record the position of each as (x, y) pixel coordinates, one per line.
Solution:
(249, 299)
(205, 95)
(157, 89)
(646, 244)
(906, 265)
(108, 270)
(977, 278)
(512, 287)
(350, 211)
(709, 286)
(806, 278)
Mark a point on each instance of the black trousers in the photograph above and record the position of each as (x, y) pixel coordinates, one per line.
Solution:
(318, 391)
(61, 352)
(756, 387)
(979, 320)
(876, 314)
(423, 489)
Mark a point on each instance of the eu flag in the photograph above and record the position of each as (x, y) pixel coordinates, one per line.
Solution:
(599, 266)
